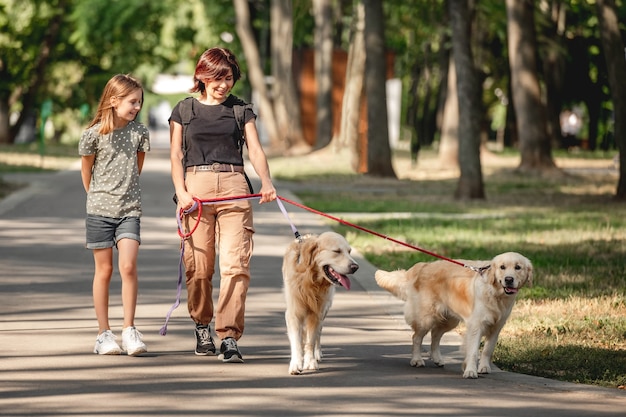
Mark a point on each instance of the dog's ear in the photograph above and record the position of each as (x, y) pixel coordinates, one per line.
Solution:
(308, 249)
(488, 273)
(529, 274)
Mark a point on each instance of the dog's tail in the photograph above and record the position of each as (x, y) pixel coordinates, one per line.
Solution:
(396, 282)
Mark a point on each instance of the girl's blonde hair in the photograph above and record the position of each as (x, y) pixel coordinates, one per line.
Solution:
(119, 86)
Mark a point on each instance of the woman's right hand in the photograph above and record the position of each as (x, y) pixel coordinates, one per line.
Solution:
(185, 200)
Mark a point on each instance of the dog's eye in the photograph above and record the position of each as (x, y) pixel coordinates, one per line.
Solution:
(518, 267)
(337, 251)
(503, 267)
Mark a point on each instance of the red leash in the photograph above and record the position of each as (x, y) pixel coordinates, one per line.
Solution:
(198, 205)
(363, 229)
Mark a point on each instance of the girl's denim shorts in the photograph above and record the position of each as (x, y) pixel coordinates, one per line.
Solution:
(105, 232)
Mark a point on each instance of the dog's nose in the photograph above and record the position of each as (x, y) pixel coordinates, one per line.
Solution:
(354, 267)
(509, 280)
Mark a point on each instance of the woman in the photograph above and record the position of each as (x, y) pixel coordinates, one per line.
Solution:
(207, 163)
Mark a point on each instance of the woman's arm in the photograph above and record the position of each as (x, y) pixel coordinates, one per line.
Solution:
(259, 162)
(185, 200)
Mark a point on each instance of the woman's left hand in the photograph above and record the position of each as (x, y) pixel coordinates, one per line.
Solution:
(268, 193)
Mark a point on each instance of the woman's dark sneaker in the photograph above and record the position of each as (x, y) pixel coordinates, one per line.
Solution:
(204, 342)
(229, 352)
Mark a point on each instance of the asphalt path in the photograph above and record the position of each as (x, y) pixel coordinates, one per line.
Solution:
(48, 328)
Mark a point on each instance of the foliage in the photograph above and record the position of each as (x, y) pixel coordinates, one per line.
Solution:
(23, 26)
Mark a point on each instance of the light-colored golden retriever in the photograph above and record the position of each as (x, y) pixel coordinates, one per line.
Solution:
(438, 295)
(313, 265)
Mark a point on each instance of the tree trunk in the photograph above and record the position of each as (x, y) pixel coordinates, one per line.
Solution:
(378, 149)
(613, 49)
(353, 93)
(255, 72)
(554, 70)
(323, 12)
(30, 95)
(470, 185)
(536, 153)
(284, 91)
(449, 142)
(5, 133)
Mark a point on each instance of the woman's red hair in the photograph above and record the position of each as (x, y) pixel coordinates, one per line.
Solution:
(214, 64)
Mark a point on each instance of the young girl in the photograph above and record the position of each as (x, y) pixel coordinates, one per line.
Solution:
(112, 151)
(209, 164)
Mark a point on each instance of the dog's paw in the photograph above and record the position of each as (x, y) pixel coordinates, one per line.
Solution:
(295, 368)
(470, 374)
(418, 363)
(484, 369)
(294, 371)
(437, 359)
(311, 365)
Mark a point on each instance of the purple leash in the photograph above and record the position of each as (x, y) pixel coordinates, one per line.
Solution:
(195, 206)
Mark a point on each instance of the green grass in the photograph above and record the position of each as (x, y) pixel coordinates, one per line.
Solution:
(52, 150)
(28, 157)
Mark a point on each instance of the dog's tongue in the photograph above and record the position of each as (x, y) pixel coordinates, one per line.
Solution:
(344, 281)
(509, 290)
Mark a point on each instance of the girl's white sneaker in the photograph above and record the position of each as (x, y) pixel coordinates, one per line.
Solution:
(106, 344)
(132, 343)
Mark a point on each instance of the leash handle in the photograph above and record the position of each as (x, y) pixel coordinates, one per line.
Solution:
(197, 205)
(282, 208)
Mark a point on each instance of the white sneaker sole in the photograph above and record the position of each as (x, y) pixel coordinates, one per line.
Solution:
(108, 352)
(232, 359)
(137, 351)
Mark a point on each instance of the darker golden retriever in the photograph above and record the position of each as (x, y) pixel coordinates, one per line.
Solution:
(313, 265)
(438, 295)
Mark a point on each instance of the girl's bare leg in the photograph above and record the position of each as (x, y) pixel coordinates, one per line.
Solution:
(128, 250)
(103, 259)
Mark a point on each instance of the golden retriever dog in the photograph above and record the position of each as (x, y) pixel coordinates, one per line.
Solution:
(438, 295)
(312, 267)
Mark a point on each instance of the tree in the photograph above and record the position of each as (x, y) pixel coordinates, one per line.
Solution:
(616, 65)
(449, 142)
(353, 93)
(535, 148)
(378, 149)
(553, 65)
(30, 35)
(323, 12)
(285, 98)
(255, 71)
(470, 185)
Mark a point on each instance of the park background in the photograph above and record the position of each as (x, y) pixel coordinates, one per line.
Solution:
(508, 113)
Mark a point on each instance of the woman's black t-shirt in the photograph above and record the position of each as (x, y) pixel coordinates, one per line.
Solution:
(212, 135)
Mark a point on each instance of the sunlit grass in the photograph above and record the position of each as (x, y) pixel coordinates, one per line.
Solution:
(31, 158)
(571, 324)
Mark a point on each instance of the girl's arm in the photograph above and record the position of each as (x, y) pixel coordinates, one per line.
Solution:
(86, 169)
(259, 162)
(141, 156)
